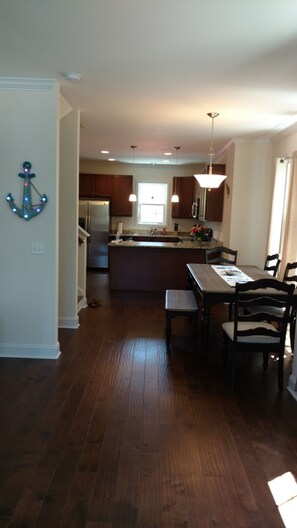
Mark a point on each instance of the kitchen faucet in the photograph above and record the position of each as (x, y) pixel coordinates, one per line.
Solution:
(153, 230)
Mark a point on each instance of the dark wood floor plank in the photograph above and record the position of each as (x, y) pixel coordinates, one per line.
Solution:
(149, 499)
(120, 433)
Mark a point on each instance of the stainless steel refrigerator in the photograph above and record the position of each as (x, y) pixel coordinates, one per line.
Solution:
(94, 217)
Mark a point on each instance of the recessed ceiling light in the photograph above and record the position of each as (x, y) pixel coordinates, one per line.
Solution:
(167, 153)
(104, 151)
(111, 159)
(72, 76)
(165, 161)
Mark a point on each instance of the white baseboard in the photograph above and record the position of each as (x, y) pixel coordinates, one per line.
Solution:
(83, 303)
(30, 351)
(68, 322)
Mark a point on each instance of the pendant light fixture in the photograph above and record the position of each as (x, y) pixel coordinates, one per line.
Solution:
(133, 197)
(175, 197)
(210, 180)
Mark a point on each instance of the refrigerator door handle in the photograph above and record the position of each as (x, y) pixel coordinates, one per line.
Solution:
(88, 222)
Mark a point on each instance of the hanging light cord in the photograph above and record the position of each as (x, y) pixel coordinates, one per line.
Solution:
(213, 115)
(176, 151)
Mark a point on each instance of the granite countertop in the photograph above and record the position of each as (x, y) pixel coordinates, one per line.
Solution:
(182, 244)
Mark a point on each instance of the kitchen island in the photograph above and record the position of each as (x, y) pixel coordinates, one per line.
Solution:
(153, 266)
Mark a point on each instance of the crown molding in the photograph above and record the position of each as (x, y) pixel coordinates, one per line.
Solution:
(283, 134)
(25, 83)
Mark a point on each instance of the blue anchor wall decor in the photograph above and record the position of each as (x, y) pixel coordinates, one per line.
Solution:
(28, 210)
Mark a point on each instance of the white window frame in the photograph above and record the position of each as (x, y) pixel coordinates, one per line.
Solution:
(156, 195)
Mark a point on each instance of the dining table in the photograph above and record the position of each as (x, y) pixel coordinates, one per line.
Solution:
(213, 285)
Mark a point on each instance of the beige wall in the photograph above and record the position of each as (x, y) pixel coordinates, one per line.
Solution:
(247, 208)
(29, 131)
(68, 237)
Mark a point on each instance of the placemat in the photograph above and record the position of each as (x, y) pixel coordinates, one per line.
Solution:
(231, 274)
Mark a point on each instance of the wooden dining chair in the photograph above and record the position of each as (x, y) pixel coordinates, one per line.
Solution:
(250, 331)
(290, 277)
(272, 264)
(221, 255)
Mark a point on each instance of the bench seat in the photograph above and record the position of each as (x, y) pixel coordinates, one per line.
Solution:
(181, 303)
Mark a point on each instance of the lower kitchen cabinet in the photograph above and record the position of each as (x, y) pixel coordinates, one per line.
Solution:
(150, 269)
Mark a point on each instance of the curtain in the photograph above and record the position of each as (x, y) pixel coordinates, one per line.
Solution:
(288, 248)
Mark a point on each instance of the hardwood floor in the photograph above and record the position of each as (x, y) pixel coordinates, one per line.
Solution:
(119, 434)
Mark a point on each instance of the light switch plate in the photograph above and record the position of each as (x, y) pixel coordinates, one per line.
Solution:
(37, 248)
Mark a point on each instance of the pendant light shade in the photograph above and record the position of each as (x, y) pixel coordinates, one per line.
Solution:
(210, 180)
(175, 197)
(133, 197)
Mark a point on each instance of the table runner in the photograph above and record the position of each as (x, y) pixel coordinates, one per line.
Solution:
(231, 274)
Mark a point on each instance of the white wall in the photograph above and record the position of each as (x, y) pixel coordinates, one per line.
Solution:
(247, 209)
(68, 244)
(29, 131)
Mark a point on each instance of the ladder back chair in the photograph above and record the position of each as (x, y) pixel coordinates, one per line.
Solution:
(250, 331)
(290, 277)
(221, 255)
(272, 264)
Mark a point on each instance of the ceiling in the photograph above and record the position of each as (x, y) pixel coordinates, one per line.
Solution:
(151, 71)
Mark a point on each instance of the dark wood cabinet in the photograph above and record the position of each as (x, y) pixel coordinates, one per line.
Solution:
(215, 198)
(184, 187)
(117, 188)
(188, 189)
(122, 188)
(214, 204)
(95, 185)
(86, 185)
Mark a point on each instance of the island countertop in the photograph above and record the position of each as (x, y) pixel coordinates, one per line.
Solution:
(182, 244)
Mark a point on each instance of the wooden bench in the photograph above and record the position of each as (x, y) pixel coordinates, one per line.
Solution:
(181, 302)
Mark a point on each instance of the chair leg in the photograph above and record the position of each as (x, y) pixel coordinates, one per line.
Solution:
(168, 330)
(230, 311)
(292, 330)
(233, 375)
(265, 360)
(195, 329)
(281, 371)
(224, 349)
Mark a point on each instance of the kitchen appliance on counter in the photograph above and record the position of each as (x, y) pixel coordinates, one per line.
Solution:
(94, 217)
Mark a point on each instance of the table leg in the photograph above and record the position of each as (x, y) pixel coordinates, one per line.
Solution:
(205, 325)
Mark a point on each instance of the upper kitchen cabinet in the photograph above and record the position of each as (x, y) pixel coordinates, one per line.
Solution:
(95, 185)
(122, 188)
(214, 204)
(184, 187)
(215, 198)
(117, 188)
(207, 204)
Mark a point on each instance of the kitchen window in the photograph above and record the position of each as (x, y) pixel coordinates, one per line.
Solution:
(152, 203)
